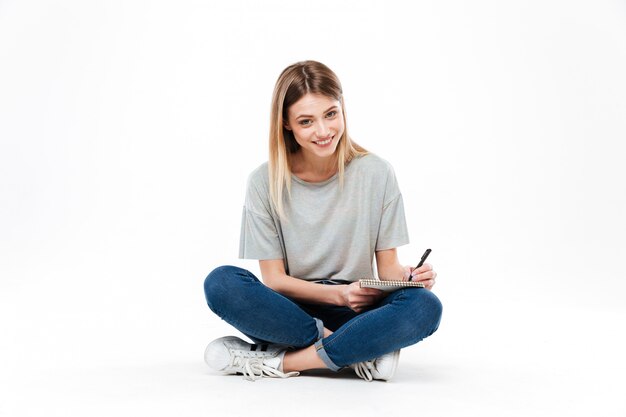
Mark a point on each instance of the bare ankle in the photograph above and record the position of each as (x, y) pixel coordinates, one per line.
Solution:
(303, 359)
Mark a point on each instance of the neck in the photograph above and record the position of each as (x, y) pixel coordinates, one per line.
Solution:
(314, 165)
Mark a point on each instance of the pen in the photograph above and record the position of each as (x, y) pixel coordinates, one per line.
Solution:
(424, 256)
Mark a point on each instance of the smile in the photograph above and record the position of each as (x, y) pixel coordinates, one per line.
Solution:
(324, 142)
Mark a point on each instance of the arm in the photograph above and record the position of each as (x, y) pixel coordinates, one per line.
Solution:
(352, 296)
(275, 277)
(389, 267)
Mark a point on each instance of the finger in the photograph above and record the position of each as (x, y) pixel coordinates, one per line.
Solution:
(365, 300)
(358, 300)
(425, 276)
(428, 282)
(408, 270)
(422, 269)
(368, 292)
(371, 301)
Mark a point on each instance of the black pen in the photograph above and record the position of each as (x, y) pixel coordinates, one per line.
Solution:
(424, 256)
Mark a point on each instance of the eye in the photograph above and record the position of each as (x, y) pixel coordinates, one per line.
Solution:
(304, 122)
(331, 113)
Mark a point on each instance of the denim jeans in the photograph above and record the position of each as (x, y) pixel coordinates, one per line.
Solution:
(402, 318)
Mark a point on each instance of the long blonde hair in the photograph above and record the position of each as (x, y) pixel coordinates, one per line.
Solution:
(293, 83)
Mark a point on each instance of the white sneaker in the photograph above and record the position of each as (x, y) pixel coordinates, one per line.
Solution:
(382, 368)
(231, 355)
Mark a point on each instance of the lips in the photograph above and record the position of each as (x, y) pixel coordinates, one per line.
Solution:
(324, 141)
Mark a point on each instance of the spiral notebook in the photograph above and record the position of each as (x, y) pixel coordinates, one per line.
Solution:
(388, 286)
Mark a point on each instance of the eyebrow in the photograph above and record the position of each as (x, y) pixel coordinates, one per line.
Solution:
(325, 111)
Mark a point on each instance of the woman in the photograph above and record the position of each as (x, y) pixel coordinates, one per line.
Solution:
(314, 216)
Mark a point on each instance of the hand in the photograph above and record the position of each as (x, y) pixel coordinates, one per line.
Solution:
(424, 274)
(358, 299)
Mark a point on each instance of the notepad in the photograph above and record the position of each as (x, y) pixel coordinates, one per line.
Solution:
(389, 286)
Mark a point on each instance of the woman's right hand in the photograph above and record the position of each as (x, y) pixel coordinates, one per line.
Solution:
(357, 298)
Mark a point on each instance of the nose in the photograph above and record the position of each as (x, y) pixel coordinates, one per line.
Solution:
(322, 131)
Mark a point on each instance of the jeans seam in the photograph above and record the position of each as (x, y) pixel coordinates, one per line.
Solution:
(320, 350)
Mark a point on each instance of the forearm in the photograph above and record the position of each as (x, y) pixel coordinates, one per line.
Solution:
(305, 291)
(388, 265)
(391, 272)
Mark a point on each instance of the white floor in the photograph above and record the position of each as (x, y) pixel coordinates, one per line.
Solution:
(71, 348)
(128, 130)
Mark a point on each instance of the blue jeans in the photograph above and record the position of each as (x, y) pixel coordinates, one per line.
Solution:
(402, 318)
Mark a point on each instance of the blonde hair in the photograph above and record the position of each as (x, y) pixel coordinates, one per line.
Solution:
(293, 83)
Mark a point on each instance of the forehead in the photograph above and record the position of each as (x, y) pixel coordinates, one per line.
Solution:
(312, 103)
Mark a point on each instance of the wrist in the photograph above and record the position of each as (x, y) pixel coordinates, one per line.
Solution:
(395, 273)
(339, 294)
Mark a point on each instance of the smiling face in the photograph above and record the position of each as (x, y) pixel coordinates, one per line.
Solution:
(316, 122)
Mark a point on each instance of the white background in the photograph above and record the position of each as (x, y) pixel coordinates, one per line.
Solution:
(128, 129)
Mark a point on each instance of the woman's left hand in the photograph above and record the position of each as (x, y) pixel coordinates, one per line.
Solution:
(424, 274)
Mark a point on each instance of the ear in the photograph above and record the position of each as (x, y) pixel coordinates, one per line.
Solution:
(286, 125)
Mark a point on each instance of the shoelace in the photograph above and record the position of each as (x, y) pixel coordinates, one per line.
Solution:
(254, 368)
(363, 370)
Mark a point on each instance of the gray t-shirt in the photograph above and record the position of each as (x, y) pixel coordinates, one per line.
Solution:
(330, 233)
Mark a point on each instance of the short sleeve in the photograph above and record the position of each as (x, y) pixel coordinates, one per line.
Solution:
(392, 231)
(258, 238)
